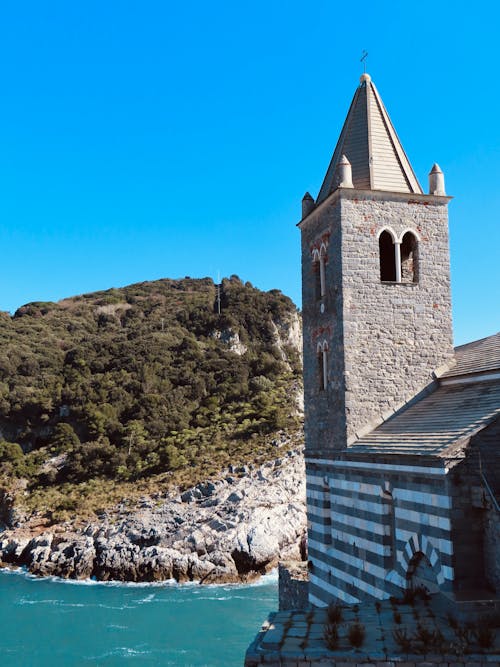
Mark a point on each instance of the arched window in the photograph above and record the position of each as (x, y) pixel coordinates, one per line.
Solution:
(387, 257)
(409, 258)
(319, 261)
(322, 352)
(398, 257)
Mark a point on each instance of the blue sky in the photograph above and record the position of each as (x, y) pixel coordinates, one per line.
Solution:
(153, 139)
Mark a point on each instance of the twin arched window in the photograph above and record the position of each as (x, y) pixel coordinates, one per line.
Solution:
(398, 258)
(319, 261)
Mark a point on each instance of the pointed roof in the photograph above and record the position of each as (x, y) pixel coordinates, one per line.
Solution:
(370, 143)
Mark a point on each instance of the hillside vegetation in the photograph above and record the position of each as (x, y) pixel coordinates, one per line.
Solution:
(142, 383)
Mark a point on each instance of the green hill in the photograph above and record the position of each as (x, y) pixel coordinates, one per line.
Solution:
(141, 384)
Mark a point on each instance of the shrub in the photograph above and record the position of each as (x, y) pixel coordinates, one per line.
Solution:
(356, 634)
(403, 639)
(485, 636)
(63, 439)
(331, 636)
(10, 451)
(334, 612)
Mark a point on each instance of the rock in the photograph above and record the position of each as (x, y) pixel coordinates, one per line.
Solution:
(206, 489)
(218, 525)
(187, 496)
(235, 497)
(210, 502)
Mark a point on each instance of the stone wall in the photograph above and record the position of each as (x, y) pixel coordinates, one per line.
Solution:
(475, 519)
(492, 549)
(324, 425)
(293, 585)
(468, 517)
(385, 339)
(395, 335)
(487, 445)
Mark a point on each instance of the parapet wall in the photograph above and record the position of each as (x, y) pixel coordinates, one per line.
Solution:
(293, 585)
(418, 633)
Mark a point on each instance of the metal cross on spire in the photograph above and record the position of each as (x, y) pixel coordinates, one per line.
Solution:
(363, 58)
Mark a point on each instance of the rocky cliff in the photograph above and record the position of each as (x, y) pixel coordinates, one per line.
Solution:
(228, 529)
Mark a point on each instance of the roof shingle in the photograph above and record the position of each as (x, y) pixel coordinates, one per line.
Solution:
(480, 356)
(433, 424)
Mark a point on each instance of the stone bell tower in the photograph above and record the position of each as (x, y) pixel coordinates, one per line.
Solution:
(375, 281)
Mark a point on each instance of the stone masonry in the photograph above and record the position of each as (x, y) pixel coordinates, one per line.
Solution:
(384, 339)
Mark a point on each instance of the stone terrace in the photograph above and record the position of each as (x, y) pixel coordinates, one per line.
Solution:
(296, 638)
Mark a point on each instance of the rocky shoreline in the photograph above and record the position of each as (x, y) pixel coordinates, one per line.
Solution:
(221, 531)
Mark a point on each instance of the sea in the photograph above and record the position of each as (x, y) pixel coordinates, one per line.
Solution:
(64, 623)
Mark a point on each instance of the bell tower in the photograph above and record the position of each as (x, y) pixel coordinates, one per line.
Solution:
(375, 282)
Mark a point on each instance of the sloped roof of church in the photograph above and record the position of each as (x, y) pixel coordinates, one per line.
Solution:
(480, 356)
(370, 143)
(460, 407)
(450, 414)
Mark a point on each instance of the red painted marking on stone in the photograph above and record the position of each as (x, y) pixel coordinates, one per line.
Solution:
(321, 331)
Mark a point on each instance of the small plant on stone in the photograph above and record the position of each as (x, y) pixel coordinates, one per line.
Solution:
(452, 620)
(331, 636)
(464, 639)
(356, 634)
(424, 635)
(464, 633)
(397, 617)
(378, 606)
(409, 597)
(438, 641)
(485, 636)
(334, 612)
(402, 639)
(428, 639)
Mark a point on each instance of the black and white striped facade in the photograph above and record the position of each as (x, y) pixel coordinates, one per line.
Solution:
(368, 520)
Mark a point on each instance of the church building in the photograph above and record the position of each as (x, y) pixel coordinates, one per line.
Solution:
(402, 431)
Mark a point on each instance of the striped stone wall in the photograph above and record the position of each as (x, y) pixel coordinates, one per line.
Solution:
(370, 523)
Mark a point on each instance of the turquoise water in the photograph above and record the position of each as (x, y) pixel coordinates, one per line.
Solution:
(51, 622)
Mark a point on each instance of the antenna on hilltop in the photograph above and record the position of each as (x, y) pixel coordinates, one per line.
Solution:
(218, 293)
(363, 58)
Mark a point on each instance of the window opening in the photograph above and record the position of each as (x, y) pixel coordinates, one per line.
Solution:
(390, 522)
(409, 258)
(323, 366)
(322, 281)
(387, 257)
(319, 273)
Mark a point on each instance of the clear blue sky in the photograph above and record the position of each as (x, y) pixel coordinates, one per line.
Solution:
(152, 139)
